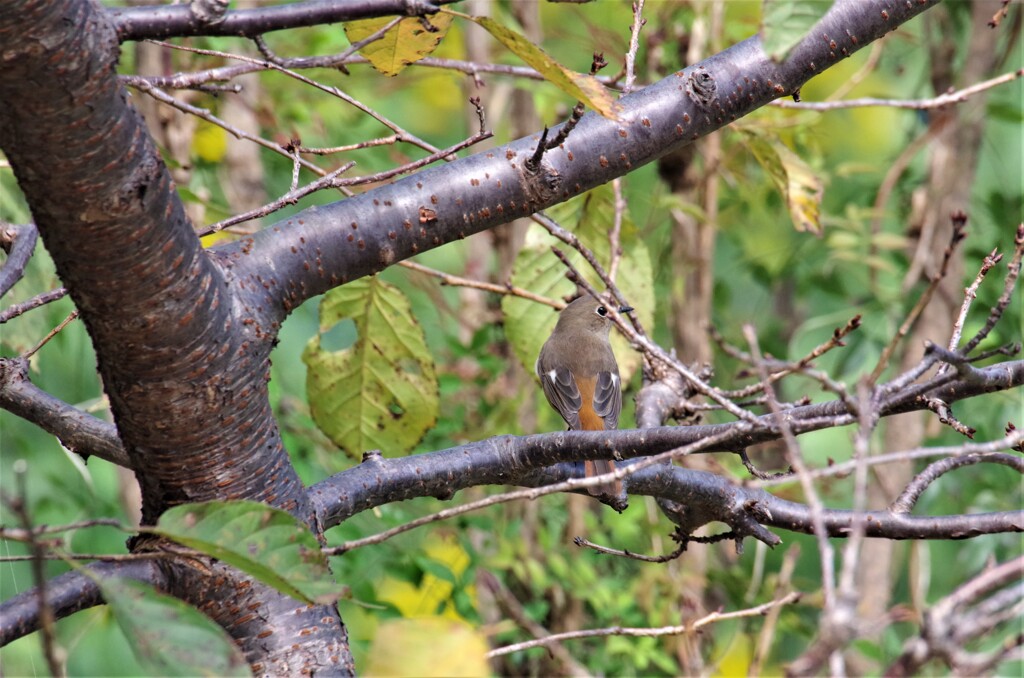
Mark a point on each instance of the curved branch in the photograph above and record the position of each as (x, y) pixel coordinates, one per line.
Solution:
(70, 593)
(965, 616)
(19, 242)
(164, 21)
(908, 498)
(15, 310)
(76, 430)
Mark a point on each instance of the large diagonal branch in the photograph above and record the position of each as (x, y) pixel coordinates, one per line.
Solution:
(325, 246)
(164, 21)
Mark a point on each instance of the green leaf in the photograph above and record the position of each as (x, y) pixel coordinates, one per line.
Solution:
(169, 637)
(404, 43)
(528, 324)
(580, 86)
(381, 393)
(799, 184)
(264, 542)
(784, 23)
(437, 569)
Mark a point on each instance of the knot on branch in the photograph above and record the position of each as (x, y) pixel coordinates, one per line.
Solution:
(209, 12)
(540, 181)
(702, 87)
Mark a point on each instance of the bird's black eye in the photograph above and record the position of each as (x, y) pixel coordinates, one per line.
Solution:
(602, 311)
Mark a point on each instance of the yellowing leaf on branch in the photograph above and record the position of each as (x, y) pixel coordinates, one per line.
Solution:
(795, 179)
(381, 392)
(580, 86)
(405, 43)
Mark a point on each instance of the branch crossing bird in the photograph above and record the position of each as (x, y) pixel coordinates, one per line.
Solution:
(580, 377)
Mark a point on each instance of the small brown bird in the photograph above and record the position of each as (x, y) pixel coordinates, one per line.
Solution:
(580, 377)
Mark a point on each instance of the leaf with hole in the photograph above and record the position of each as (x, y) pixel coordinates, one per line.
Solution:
(405, 43)
(381, 393)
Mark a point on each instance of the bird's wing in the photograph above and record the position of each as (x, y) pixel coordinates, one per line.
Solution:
(561, 391)
(608, 398)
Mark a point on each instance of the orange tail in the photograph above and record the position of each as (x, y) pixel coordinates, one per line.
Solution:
(597, 468)
(590, 421)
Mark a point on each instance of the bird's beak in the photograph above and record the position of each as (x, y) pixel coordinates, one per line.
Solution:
(625, 309)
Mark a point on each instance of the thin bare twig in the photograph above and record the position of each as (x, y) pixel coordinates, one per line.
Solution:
(959, 222)
(15, 310)
(514, 609)
(580, 541)
(337, 59)
(47, 620)
(457, 281)
(778, 369)
(389, 140)
(445, 154)
(204, 114)
(1012, 273)
(289, 198)
(22, 535)
(634, 46)
(953, 97)
(847, 85)
(970, 294)
(198, 79)
(647, 632)
(334, 91)
(50, 335)
(913, 491)
(796, 460)
(1012, 439)
(767, 635)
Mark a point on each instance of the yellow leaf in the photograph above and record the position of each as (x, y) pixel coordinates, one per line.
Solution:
(428, 647)
(794, 178)
(585, 88)
(405, 43)
(736, 660)
(210, 142)
(433, 593)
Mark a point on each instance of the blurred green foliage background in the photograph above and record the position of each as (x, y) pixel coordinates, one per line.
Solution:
(759, 261)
